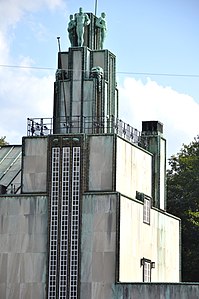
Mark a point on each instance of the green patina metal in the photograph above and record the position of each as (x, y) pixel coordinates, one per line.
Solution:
(101, 23)
(86, 29)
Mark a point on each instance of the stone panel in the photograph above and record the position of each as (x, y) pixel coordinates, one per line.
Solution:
(85, 290)
(34, 174)
(151, 241)
(23, 247)
(101, 163)
(3, 290)
(99, 252)
(77, 65)
(133, 169)
(3, 268)
(99, 59)
(88, 98)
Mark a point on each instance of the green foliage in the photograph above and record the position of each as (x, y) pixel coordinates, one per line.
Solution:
(183, 201)
(3, 141)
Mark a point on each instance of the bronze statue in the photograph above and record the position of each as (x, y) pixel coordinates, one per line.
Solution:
(81, 20)
(101, 23)
(71, 31)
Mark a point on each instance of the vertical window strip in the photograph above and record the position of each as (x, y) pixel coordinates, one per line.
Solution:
(146, 210)
(147, 271)
(54, 223)
(63, 275)
(75, 223)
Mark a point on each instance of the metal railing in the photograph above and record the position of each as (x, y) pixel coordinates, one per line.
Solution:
(39, 126)
(82, 124)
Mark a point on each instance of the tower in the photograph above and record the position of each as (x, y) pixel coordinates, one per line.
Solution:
(85, 105)
(106, 207)
(85, 97)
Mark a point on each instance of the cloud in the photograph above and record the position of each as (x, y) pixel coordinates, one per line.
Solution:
(4, 49)
(39, 30)
(52, 4)
(13, 11)
(149, 101)
(23, 94)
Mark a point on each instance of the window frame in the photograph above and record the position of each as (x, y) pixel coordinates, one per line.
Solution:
(147, 209)
(147, 272)
(147, 265)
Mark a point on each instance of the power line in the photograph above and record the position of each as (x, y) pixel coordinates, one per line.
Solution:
(124, 73)
(26, 67)
(160, 74)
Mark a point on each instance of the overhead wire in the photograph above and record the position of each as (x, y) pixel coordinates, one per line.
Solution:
(118, 72)
(27, 67)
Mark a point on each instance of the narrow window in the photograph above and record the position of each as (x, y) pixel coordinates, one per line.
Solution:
(147, 272)
(146, 209)
(147, 266)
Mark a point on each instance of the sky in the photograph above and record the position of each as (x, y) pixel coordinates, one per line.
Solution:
(157, 50)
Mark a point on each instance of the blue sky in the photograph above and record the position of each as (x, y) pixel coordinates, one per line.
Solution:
(149, 37)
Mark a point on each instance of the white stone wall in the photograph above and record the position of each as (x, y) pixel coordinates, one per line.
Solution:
(23, 247)
(101, 163)
(158, 241)
(88, 100)
(77, 83)
(34, 172)
(98, 246)
(99, 59)
(162, 173)
(133, 169)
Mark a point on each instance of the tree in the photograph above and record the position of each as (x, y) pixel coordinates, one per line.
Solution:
(183, 201)
(3, 141)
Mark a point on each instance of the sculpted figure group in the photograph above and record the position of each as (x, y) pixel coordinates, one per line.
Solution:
(76, 28)
(101, 23)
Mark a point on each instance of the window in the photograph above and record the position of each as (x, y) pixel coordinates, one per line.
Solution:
(64, 225)
(146, 209)
(147, 266)
(147, 272)
(53, 257)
